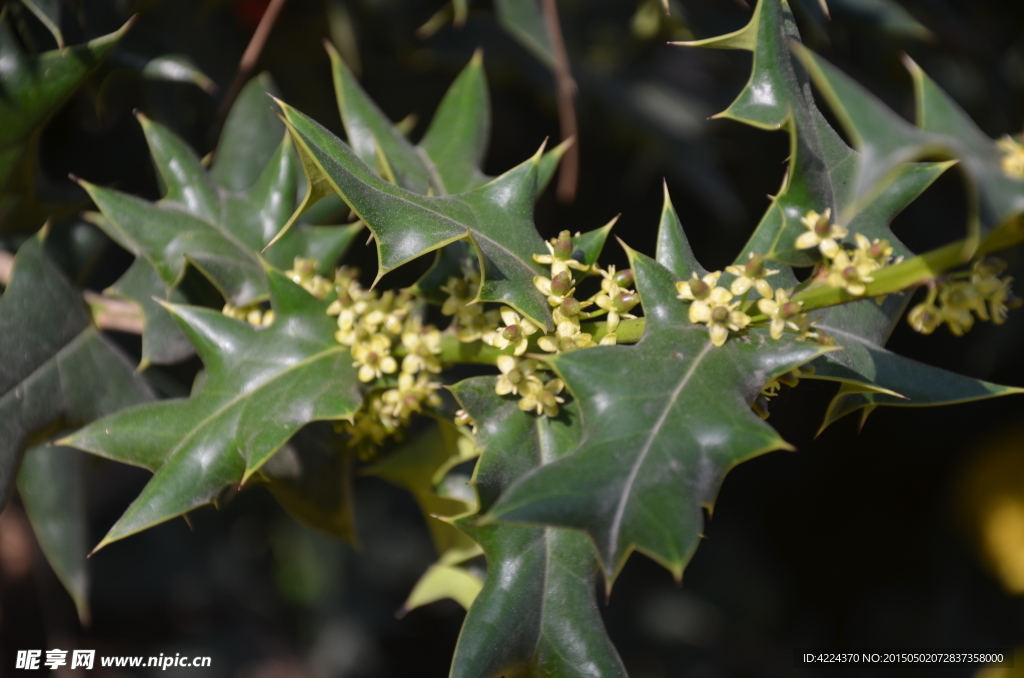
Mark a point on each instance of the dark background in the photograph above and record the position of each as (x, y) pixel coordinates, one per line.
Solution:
(858, 539)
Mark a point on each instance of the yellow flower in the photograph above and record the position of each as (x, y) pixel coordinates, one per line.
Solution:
(515, 373)
(373, 357)
(719, 315)
(409, 397)
(697, 288)
(515, 333)
(821, 232)
(849, 274)
(542, 398)
(475, 323)
(1012, 161)
(783, 313)
(877, 252)
(563, 343)
(423, 345)
(751, 274)
(925, 317)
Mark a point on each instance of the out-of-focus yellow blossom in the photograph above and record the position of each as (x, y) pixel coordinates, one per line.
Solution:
(542, 398)
(1012, 161)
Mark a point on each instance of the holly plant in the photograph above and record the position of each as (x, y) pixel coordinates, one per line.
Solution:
(608, 403)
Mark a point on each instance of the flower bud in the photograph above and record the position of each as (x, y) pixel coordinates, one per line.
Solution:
(561, 284)
(570, 307)
(754, 268)
(563, 246)
(850, 274)
(790, 309)
(511, 333)
(699, 289)
(624, 278)
(720, 314)
(822, 227)
(625, 301)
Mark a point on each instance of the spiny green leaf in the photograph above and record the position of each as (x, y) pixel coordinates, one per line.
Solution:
(251, 135)
(205, 221)
(496, 217)
(34, 87)
(537, 613)
(50, 485)
(58, 369)
(822, 174)
(885, 141)
(262, 385)
(665, 420)
(673, 250)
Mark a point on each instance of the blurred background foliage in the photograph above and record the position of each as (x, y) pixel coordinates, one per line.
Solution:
(909, 533)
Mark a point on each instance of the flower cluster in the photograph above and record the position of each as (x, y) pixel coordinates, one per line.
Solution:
(469, 319)
(254, 314)
(521, 376)
(956, 302)
(372, 325)
(850, 270)
(568, 311)
(303, 273)
(713, 306)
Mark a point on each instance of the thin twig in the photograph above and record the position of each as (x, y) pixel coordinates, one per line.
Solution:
(109, 313)
(252, 52)
(568, 173)
(6, 264)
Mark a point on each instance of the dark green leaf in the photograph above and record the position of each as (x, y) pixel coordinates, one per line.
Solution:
(32, 88)
(262, 385)
(673, 250)
(885, 141)
(50, 484)
(537, 613)
(665, 420)
(218, 230)
(58, 369)
(496, 217)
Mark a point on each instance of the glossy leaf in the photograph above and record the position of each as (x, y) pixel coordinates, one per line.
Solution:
(537, 612)
(885, 140)
(58, 368)
(665, 420)
(51, 488)
(204, 221)
(34, 87)
(496, 217)
(673, 250)
(822, 174)
(262, 385)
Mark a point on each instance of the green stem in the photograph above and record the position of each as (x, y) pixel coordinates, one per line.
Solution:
(905, 275)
